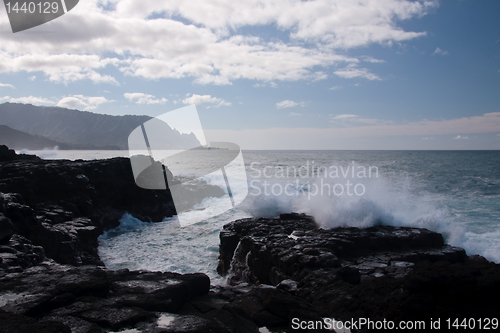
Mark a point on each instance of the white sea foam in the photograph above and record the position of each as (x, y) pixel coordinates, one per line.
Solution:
(165, 246)
(410, 191)
(57, 154)
(46, 154)
(383, 203)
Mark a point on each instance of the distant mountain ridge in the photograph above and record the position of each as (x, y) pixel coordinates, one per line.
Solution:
(81, 128)
(19, 140)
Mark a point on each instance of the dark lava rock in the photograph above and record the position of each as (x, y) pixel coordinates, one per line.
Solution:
(6, 154)
(64, 206)
(244, 308)
(89, 298)
(378, 272)
(12, 323)
(6, 229)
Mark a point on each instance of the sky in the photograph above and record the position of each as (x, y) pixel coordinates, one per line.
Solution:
(281, 74)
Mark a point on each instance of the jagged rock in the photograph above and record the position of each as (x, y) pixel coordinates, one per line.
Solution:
(271, 250)
(64, 206)
(6, 154)
(6, 229)
(377, 272)
(18, 254)
(244, 308)
(271, 307)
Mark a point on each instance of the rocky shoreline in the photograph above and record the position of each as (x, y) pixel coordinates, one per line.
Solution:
(381, 272)
(52, 280)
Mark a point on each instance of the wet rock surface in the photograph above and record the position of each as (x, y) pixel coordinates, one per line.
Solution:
(396, 273)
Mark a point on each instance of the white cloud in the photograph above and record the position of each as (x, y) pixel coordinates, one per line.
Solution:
(335, 88)
(208, 47)
(428, 138)
(27, 100)
(337, 23)
(440, 52)
(317, 76)
(6, 85)
(80, 101)
(459, 137)
(203, 99)
(73, 102)
(59, 67)
(232, 59)
(32, 78)
(351, 72)
(141, 98)
(288, 104)
(373, 60)
(264, 84)
(294, 114)
(345, 116)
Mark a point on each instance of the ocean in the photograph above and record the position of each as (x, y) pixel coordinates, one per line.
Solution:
(456, 193)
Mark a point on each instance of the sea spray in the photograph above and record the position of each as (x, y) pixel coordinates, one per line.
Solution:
(390, 201)
(46, 153)
(454, 193)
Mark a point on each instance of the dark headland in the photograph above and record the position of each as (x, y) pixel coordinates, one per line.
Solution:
(26, 126)
(52, 280)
